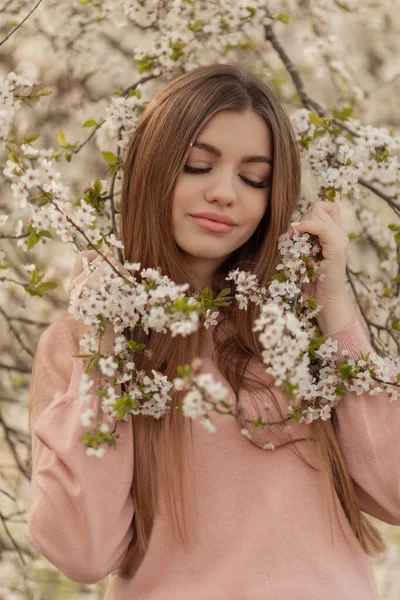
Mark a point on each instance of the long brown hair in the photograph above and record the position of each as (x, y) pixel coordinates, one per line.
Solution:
(155, 157)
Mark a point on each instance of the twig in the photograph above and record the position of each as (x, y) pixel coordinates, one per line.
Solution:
(15, 332)
(18, 368)
(368, 321)
(293, 72)
(10, 536)
(111, 194)
(11, 445)
(20, 24)
(391, 200)
(124, 93)
(29, 321)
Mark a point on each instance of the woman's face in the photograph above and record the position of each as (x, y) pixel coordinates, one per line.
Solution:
(224, 188)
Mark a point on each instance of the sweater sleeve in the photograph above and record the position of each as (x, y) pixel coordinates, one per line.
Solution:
(367, 428)
(81, 509)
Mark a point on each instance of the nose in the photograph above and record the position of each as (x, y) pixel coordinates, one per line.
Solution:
(221, 188)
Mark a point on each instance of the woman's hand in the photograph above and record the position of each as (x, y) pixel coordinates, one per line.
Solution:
(323, 220)
(92, 281)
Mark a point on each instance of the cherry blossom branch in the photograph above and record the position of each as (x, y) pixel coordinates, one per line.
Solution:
(80, 230)
(125, 92)
(308, 102)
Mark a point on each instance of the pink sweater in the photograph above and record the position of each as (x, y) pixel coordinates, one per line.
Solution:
(261, 518)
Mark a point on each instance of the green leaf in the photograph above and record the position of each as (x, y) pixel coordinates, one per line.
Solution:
(344, 114)
(110, 157)
(284, 18)
(32, 240)
(394, 227)
(90, 123)
(346, 371)
(184, 371)
(45, 233)
(218, 303)
(5, 266)
(311, 303)
(13, 157)
(133, 93)
(195, 26)
(252, 12)
(144, 65)
(177, 50)
(336, 132)
(317, 342)
(206, 296)
(34, 277)
(84, 1)
(135, 347)
(117, 167)
(123, 405)
(388, 292)
(224, 292)
(340, 391)
(279, 277)
(316, 120)
(396, 324)
(97, 186)
(318, 133)
(46, 287)
(62, 140)
(31, 138)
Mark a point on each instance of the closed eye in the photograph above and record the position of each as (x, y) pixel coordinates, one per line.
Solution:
(255, 184)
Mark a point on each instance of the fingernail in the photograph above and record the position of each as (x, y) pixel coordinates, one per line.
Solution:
(295, 223)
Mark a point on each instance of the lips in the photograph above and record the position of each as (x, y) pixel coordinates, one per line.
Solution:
(210, 225)
(215, 217)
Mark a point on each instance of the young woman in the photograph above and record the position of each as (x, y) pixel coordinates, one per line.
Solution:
(175, 512)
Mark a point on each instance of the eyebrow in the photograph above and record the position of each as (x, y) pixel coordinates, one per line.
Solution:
(218, 153)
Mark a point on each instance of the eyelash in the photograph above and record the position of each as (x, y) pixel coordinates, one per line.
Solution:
(251, 183)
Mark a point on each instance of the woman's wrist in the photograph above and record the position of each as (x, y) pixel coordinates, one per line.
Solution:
(338, 315)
